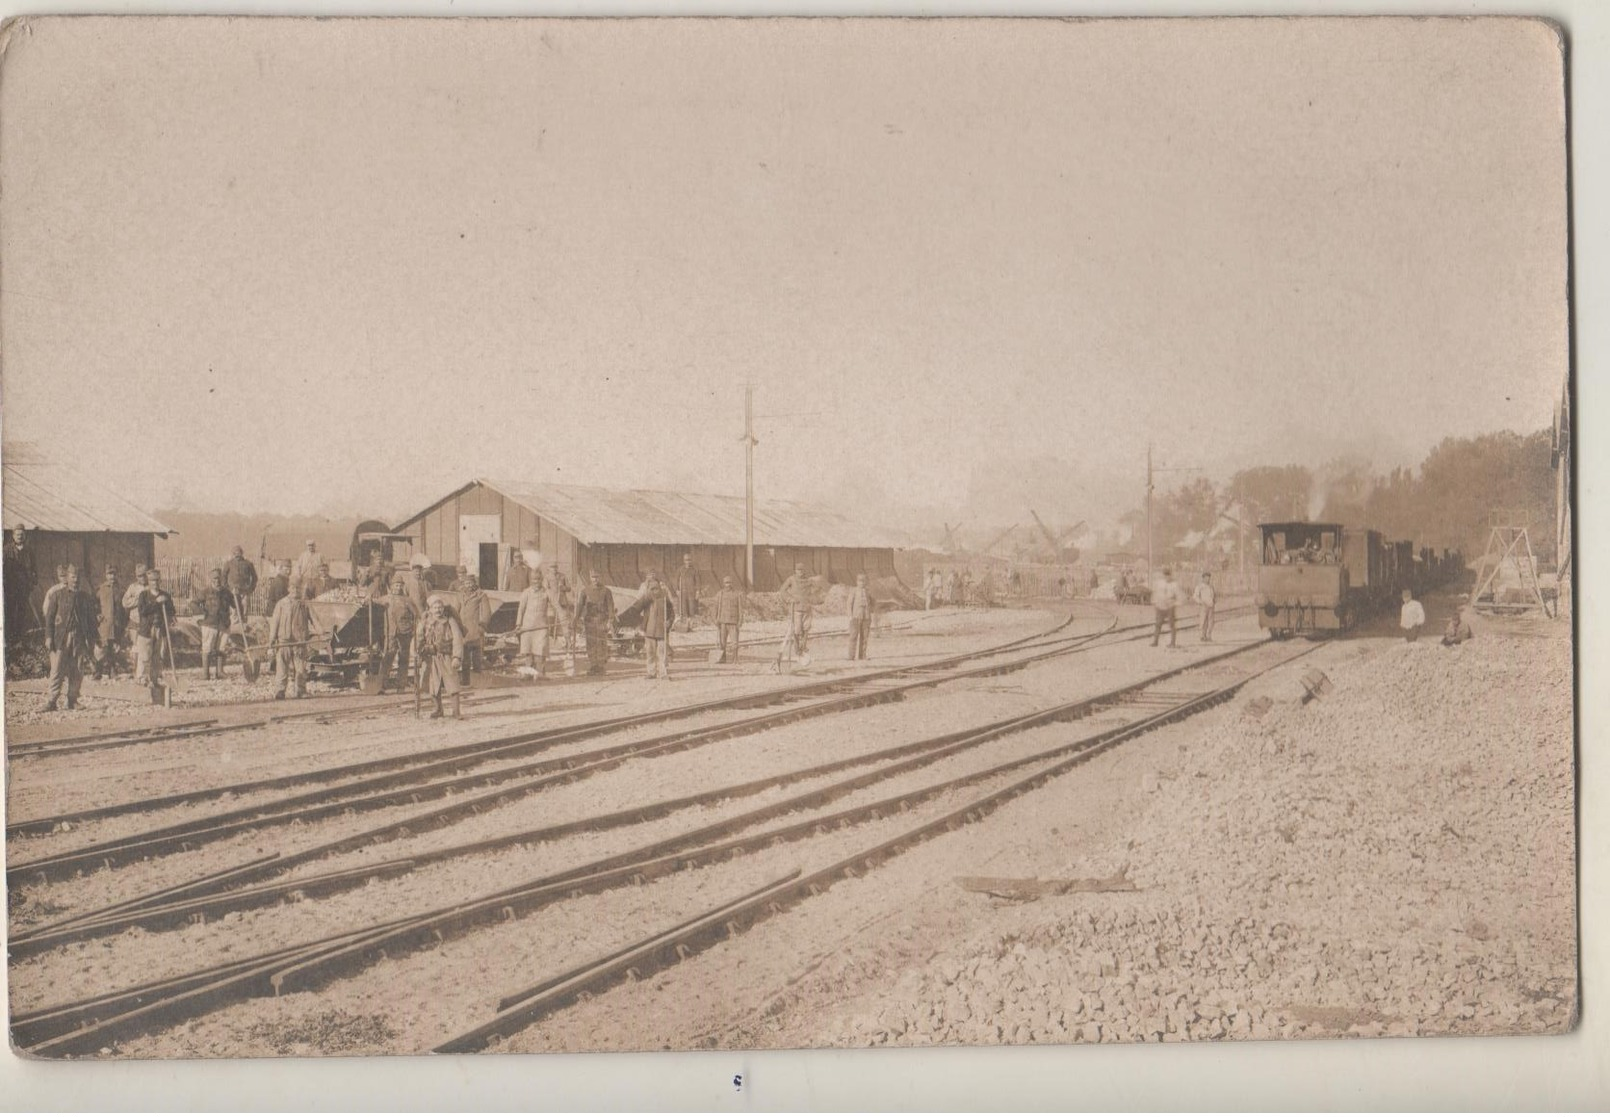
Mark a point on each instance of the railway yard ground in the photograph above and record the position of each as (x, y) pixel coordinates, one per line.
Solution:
(1017, 825)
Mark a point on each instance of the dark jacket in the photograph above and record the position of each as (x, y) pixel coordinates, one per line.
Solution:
(113, 617)
(729, 607)
(517, 577)
(475, 614)
(215, 604)
(658, 613)
(71, 613)
(155, 608)
(595, 606)
(240, 575)
(278, 586)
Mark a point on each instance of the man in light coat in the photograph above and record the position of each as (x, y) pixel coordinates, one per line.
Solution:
(861, 609)
(1165, 608)
(1207, 601)
(289, 630)
(536, 620)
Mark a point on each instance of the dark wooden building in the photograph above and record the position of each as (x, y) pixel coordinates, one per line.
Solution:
(72, 518)
(623, 534)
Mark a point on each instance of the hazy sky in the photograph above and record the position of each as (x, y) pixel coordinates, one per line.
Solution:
(299, 265)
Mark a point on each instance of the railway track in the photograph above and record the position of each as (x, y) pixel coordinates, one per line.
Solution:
(414, 783)
(91, 1024)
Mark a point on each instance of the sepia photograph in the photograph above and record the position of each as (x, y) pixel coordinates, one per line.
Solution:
(669, 535)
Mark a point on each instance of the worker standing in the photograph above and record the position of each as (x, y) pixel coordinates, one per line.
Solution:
(20, 577)
(474, 614)
(517, 575)
(685, 585)
(564, 603)
(595, 615)
(729, 619)
(659, 614)
(536, 621)
(112, 620)
(1165, 607)
(930, 588)
(214, 604)
(155, 612)
(441, 654)
(307, 563)
(800, 595)
(860, 609)
(69, 634)
(1207, 599)
(401, 621)
(241, 578)
(1412, 617)
(289, 630)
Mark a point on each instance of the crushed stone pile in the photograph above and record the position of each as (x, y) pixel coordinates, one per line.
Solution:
(1394, 859)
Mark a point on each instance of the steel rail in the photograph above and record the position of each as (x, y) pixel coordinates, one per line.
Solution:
(666, 948)
(389, 791)
(210, 895)
(555, 735)
(323, 959)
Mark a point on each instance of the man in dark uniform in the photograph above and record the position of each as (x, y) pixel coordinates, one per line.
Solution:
(659, 614)
(517, 576)
(241, 578)
(595, 615)
(20, 577)
(69, 634)
(685, 585)
(154, 615)
(214, 604)
(401, 621)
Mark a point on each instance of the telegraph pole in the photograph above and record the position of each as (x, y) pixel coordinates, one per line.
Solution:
(1151, 471)
(749, 485)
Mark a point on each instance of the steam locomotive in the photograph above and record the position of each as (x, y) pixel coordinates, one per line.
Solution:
(1320, 578)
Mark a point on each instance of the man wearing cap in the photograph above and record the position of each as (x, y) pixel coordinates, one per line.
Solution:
(474, 614)
(564, 601)
(440, 641)
(289, 630)
(1207, 599)
(595, 614)
(535, 621)
(401, 621)
(154, 614)
(214, 605)
(55, 588)
(517, 575)
(241, 578)
(860, 608)
(69, 633)
(685, 585)
(111, 625)
(1165, 605)
(729, 619)
(801, 598)
(659, 614)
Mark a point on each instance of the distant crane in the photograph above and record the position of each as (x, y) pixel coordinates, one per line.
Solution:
(1057, 543)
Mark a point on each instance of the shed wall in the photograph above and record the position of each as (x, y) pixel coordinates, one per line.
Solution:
(91, 552)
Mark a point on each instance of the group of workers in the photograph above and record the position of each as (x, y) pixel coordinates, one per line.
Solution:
(423, 631)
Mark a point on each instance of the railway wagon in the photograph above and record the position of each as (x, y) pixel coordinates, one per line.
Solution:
(1317, 577)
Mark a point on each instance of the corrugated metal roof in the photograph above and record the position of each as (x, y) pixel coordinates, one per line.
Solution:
(648, 516)
(45, 495)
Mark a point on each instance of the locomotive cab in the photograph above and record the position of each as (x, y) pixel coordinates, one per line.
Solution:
(1303, 581)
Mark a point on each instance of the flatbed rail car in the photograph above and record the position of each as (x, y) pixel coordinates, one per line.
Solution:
(1318, 578)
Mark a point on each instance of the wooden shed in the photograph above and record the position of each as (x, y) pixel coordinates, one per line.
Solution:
(623, 534)
(72, 518)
